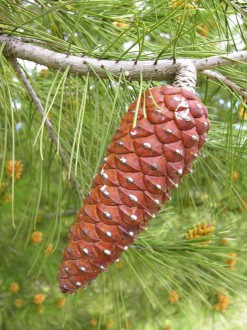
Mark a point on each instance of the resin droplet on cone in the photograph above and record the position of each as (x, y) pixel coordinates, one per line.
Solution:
(142, 166)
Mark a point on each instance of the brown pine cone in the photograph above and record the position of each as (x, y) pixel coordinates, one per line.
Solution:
(142, 167)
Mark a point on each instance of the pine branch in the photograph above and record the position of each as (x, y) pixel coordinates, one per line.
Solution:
(238, 7)
(22, 76)
(163, 69)
(216, 75)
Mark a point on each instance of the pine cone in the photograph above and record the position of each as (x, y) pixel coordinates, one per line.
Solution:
(142, 167)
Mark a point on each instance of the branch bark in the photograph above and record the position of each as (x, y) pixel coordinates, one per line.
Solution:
(241, 9)
(22, 76)
(162, 70)
(216, 75)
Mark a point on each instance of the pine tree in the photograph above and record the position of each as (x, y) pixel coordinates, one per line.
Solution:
(69, 71)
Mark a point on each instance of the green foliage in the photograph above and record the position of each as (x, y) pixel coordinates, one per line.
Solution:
(84, 112)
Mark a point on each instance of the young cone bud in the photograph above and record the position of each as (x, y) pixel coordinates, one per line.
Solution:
(142, 166)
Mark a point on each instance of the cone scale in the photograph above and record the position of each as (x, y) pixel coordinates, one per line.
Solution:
(142, 166)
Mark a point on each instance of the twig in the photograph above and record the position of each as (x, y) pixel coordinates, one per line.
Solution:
(216, 75)
(22, 76)
(31, 40)
(241, 9)
(163, 69)
(220, 60)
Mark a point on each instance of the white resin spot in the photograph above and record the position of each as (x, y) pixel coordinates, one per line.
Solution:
(83, 269)
(101, 267)
(131, 233)
(157, 202)
(120, 143)
(133, 198)
(205, 124)
(154, 166)
(66, 268)
(107, 215)
(78, 283)
(126, 248)
(129, 179)
(158, 186)
(179, 152)
(183, 115)
(133, 133)
(107, 252)
(123, 160)
(133, 217)
(177, 99)
(105, 193)
(85, 250)
(183, 104)
(108, 234)
(180, 171)
(169, 131)
(194, 137)
(199, 105)
(103, 174)
(147, 145)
